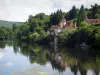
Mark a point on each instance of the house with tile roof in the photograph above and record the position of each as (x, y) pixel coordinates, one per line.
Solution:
(92, 21)
(61, 26)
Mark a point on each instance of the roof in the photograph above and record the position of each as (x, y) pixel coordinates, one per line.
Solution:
(92, 21)
(59, 26)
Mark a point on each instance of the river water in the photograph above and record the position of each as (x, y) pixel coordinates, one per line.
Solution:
(33, 59)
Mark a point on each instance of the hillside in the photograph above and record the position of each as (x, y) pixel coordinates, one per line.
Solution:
(9, 23)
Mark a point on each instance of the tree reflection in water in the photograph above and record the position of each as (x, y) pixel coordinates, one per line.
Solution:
(61, 58)
(2, 44)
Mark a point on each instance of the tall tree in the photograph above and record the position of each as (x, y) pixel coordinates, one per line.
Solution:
(72, 14)
(94, 11)
(82, 12)
(82, 15)
(56, 17)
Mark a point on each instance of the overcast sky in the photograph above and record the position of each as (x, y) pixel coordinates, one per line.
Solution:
(19, 10)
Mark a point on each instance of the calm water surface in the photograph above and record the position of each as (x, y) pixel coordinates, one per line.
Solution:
(32, 59)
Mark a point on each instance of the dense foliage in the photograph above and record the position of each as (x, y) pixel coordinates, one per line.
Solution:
(34, 28)
(6, 33)
(85, 33)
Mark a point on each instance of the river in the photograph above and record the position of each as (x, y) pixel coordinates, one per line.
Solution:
(33, 59)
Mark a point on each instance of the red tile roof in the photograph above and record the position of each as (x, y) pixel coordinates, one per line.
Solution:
(92, 21)
(68, 23)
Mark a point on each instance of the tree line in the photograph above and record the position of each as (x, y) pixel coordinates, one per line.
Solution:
(36, 27)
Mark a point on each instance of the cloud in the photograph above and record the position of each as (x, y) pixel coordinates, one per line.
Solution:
(19, 10)
(67, 4)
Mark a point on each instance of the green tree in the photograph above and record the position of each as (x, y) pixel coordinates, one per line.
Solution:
(66, 33)
(6, 33)
(94, 11)
(56, 17)
(14, 27)
(73, 13)
(82, 15)
(36, 36)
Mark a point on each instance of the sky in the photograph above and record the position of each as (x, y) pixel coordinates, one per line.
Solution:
(19, 10)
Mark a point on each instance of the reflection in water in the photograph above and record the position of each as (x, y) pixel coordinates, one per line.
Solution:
(2, 45)
(61, 58)
(34, 52)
